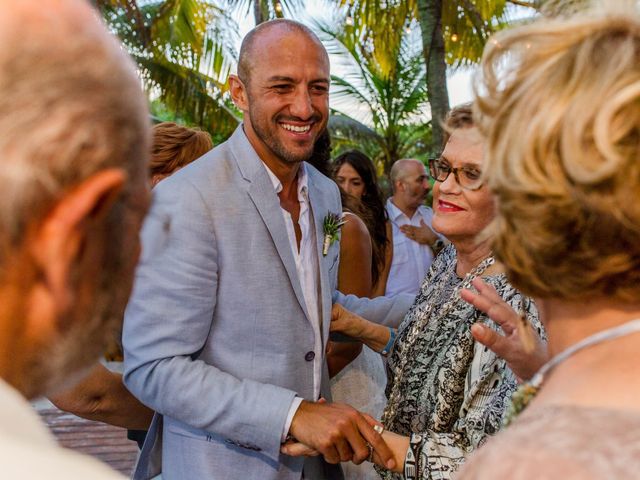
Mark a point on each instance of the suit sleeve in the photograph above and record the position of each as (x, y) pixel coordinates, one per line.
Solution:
(168, 320)
(389, 311)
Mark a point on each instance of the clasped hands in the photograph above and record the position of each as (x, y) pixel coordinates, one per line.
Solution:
(339, 433)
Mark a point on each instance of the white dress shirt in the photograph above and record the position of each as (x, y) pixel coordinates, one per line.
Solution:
(28, 449)
(411, 260)
(308, 273)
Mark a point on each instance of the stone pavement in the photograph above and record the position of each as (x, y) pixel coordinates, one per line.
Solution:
(104, 442)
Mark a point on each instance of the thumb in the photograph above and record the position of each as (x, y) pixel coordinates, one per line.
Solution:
(487, 337)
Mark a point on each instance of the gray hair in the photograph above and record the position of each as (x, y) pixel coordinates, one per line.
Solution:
(70, 106)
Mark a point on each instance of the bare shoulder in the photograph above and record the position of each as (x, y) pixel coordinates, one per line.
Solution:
(354, 228)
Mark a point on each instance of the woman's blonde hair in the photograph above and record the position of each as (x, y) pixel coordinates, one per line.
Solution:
(559, 103)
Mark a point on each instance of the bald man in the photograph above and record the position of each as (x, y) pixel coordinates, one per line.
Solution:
(74, 138)
(226, 332)
(414, 242)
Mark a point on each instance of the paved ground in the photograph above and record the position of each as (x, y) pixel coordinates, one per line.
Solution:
(104, 442)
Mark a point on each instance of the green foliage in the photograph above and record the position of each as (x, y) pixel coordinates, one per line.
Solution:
(184, 50)
(383, 85)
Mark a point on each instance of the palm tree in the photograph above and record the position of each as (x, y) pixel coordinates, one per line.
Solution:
(264, 10)
(184, 50)
(453, 33)
(383, 85)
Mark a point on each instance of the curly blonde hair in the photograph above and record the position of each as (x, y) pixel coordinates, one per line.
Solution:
(559, 103)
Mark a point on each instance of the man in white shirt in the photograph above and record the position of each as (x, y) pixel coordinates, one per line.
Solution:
(226, 331)
(414, 242)
(74, 139)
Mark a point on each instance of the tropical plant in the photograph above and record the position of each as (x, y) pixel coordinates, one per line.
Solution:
(184, 50)
(264, 10)
(382, 84)
(453, 33)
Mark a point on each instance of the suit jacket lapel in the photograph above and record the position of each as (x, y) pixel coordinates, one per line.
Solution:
(265, 199)
(320, 209)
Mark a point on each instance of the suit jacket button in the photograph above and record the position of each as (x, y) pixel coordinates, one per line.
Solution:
(310, 356)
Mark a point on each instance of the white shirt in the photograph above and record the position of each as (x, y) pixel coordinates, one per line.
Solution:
(308, 273)
(411, 260)
(28, 450)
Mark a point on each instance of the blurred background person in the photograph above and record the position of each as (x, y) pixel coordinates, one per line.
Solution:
(446, 392)
(355, 174)
(414, 241)
(175, 146)
(102, 396)
(74, 136)
(568, 233)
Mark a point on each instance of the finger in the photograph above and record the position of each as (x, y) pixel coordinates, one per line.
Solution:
(336, 311)
(422, 224)
(344, 450)
(375, 440)
(370, 420)
(489, 302)
(491, 339)
(297, 449)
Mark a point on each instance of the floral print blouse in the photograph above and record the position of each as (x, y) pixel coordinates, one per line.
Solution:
(455, 391)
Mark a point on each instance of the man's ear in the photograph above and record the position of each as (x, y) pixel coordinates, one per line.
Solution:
(59, 240)
(238, 92)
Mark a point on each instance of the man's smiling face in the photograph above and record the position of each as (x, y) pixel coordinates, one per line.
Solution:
(288, 95)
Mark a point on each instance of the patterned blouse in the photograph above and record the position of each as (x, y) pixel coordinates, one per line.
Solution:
(455, 391)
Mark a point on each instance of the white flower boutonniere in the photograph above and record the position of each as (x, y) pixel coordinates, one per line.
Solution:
(331, 226)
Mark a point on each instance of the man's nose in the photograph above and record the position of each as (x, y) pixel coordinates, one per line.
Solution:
(301, 106)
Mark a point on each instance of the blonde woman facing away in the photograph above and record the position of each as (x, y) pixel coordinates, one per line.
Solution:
(563, 147)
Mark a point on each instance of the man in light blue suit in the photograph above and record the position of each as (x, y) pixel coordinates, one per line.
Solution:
(226, 331)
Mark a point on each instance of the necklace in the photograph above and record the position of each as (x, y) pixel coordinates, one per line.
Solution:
(419, 325)
(527, 391)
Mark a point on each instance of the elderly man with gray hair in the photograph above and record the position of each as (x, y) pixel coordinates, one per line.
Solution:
(414, 242)
(74, 141)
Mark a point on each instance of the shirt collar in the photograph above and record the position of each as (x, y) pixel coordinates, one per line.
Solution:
(303, 179)
(394, 212)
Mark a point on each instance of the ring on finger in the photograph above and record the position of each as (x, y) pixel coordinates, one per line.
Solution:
(379, 429)
(370, 457)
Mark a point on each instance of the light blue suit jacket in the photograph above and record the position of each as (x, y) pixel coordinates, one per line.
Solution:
(216, 335)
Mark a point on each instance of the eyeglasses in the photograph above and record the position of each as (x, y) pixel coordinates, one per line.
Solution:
(468, 178)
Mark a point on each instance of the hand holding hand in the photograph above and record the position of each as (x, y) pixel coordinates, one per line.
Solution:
(338, 432)
(422, 234)
(508, 346)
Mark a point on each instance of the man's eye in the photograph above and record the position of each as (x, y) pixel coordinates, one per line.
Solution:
(282, 88)
(319, 89)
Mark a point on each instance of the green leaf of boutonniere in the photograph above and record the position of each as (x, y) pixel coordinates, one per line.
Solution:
(331, 226)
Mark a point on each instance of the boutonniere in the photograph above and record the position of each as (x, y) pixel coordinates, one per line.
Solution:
(331, 226)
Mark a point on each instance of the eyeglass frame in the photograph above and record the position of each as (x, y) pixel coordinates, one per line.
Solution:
(455, 171)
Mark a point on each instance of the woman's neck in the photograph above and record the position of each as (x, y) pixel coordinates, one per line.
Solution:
(469, 255)
(602, 375)
(569, 322)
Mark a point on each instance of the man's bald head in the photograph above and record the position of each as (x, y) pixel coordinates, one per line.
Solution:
(401, 168)
(277, 27)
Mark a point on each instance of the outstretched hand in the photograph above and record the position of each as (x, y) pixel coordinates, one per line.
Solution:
(338, 432)
(522, 361)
